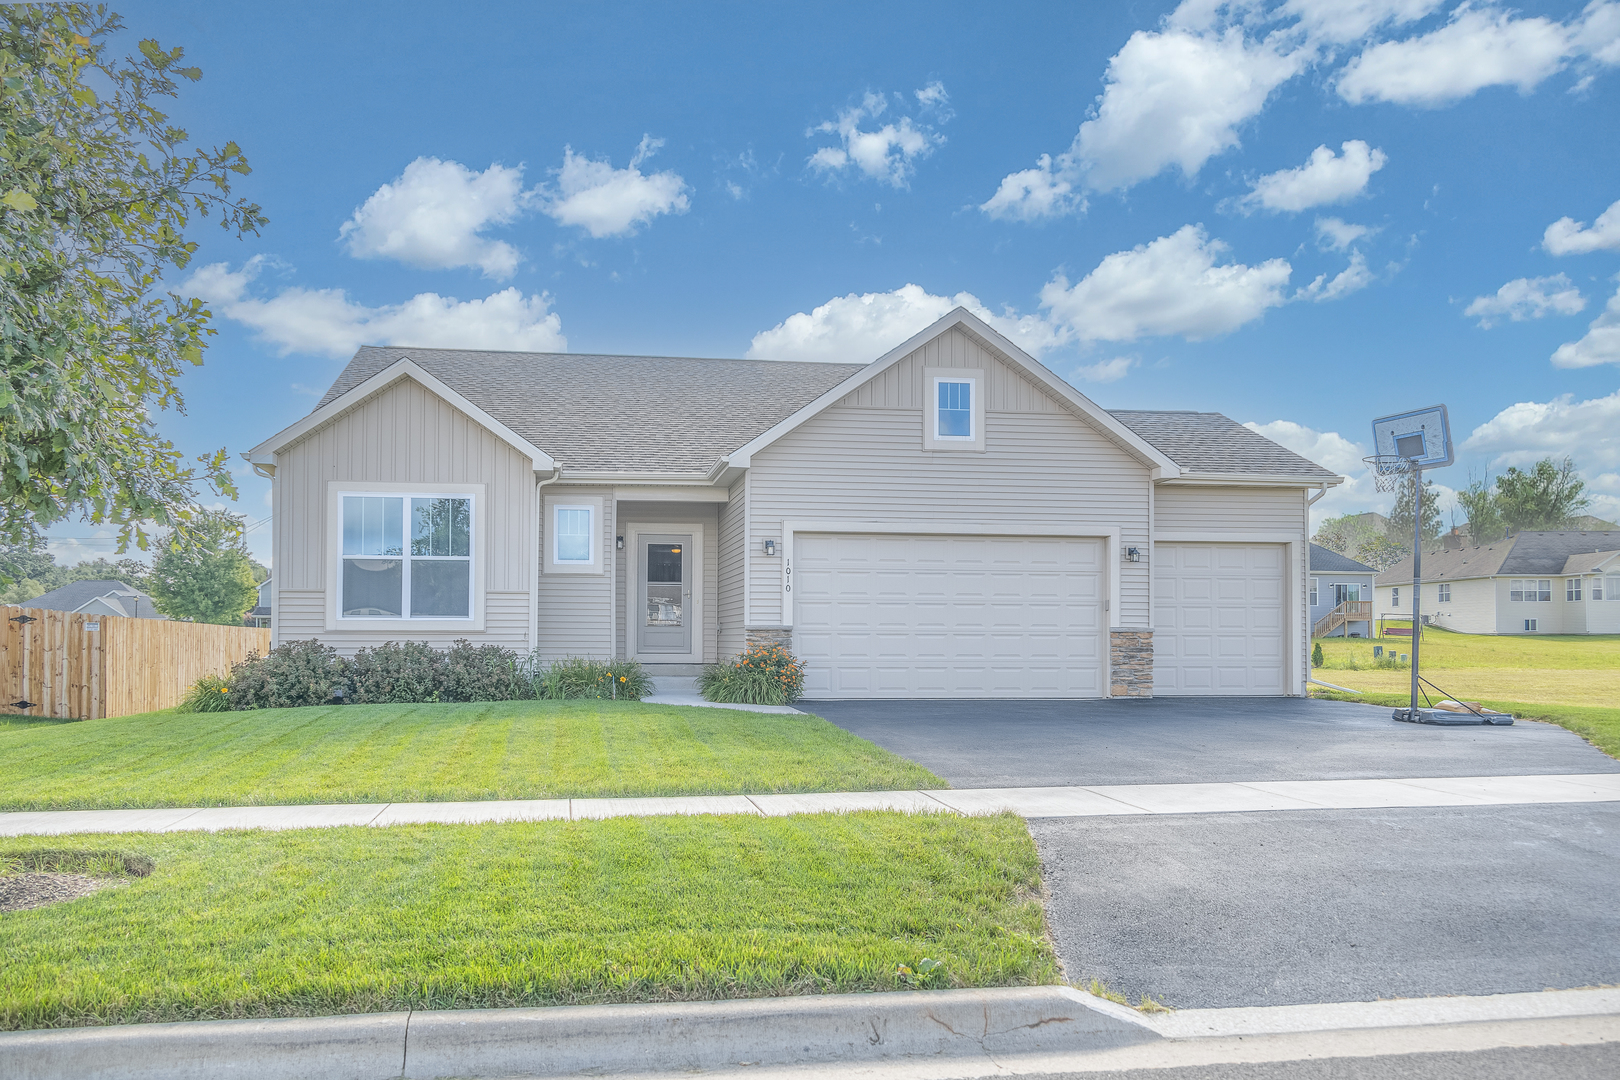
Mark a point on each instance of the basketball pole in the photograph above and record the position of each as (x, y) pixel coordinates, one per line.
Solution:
(1417, 578)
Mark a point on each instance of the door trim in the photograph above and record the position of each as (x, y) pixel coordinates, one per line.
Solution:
(632, 589)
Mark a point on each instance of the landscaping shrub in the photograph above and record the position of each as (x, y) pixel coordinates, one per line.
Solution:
(1316, 655)
(759, 675)
(290, 675)
(484, 673)
(577, 677)
(211, 693)
(395, 673)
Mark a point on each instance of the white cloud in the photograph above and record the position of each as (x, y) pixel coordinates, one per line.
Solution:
(1176, 98)
(857, 329)
(1566, 236)
(1479, 47)
(1352, 278)
(605, 201)
(1169, 286)
(1601, 345)
(887, 154)
(325, 322)
(1326, 178)
(1341, 21)
(431, 216)
(1328, 449)
(1528, 431)
(1527, 298)
(1336, 235)
(1106, 371)
(1036, 194)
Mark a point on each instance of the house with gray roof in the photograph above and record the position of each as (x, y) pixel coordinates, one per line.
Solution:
(950, 519)
(1557, 582)
(1340, 594)
(99, 598)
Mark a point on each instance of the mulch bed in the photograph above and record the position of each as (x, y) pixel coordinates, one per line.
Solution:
(18, 892)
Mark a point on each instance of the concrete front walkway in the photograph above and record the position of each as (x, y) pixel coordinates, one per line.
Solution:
(1117, 800)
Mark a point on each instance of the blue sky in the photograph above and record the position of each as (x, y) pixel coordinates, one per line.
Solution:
(1301, 214)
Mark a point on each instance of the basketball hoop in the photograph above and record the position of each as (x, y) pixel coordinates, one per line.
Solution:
(1387, 469)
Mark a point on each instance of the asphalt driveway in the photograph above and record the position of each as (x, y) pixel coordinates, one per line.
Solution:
(1300, 906)
(1196, 740)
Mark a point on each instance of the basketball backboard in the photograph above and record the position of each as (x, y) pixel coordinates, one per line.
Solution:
(1422, 436)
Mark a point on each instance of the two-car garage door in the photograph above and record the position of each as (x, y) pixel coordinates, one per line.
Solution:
(950, 616)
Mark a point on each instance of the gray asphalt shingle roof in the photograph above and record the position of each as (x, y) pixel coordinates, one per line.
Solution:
(1212, 443)
(1328, 561)
(117, 595)
(680, 415)
(1543, 554)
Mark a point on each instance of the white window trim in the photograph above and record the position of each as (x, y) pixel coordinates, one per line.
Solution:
(1442, 593)
(477, 549)
(1315, 592)
(548, 525)
(932, 439)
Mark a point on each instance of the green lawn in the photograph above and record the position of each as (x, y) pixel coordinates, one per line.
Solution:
(420, 753)
(1570, 680)
(326, 921)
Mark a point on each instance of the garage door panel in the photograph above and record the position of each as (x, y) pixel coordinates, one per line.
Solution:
(949, 616)
(1219, 620)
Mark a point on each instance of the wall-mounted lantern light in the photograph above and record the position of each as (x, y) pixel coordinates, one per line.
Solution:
(618, 542)
(770, 547)
(1133, 554)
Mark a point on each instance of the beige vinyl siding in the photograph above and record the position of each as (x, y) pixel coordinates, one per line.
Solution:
(1602, 616)
(861, 461)
(1511, 614)
(576, 610)
(731, 560)
(1472, 609)
(1209, 511)
(706, 515)
(406, 435)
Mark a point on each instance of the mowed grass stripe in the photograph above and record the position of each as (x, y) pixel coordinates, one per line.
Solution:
(428, 753)
(254, 924)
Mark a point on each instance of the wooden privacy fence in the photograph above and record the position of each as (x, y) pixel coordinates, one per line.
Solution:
(83, 667)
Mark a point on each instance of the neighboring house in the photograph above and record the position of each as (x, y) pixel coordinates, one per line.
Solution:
(1340, 594)
(98, 598)
(1531, 583)
(950, 520)
(259, 613)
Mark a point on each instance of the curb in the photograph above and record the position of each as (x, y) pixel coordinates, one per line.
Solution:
(850, 1029)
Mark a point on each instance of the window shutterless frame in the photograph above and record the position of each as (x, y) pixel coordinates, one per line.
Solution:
(953, 409)
(573, 534)
(405, 555)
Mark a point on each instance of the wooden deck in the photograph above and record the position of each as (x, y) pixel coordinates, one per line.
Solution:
(1351, 611)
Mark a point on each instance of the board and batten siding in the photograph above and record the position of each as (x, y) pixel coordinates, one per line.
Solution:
(862, 461)
(731, 561)
(405, 434)
(1210, 511)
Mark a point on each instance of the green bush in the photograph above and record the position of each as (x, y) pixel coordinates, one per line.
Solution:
(484, 673)
(759, 675)
(293, 674)
(394, 673)
(1316, 655)
(211, 693)
(577, 677)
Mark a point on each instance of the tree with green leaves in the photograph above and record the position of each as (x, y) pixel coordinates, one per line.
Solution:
(209, 579)
(1548, 496)
(1353, 536)
(1399, 529)
(97, 190)
(1478, 500)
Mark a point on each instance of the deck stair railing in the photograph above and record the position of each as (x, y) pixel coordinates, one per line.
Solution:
(1351, 611)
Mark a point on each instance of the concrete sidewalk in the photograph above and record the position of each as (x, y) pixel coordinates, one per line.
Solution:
(1039, 802)
(941, 1033)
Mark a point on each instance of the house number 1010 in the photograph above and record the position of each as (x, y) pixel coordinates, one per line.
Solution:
(787, 575)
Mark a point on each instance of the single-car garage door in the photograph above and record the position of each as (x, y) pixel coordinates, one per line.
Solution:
(949, 616)
(1219, 622)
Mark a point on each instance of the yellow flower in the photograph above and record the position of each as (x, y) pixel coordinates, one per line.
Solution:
(224, 689)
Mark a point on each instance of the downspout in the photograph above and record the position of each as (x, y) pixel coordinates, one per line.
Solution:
(1321, 490)
(534, 563)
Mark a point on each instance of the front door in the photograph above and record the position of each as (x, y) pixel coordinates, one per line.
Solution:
(663, 612)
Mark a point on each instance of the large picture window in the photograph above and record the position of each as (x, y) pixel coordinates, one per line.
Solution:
(387, 576)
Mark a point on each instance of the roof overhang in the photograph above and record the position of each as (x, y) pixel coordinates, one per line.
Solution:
(265, 453)
(1254, 480)
(961, 318)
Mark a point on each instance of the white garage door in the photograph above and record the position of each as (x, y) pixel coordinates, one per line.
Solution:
(949, 616)
(1219, 621)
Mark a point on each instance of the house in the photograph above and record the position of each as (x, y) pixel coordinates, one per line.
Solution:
(259, 613)
(948, 520)
(99, 598)
(1340, 594)
(1565, 582)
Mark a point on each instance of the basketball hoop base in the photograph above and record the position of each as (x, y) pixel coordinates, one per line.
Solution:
(1446, 718)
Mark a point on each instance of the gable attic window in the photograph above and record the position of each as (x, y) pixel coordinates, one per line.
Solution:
(384, 577)
(953, 409)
